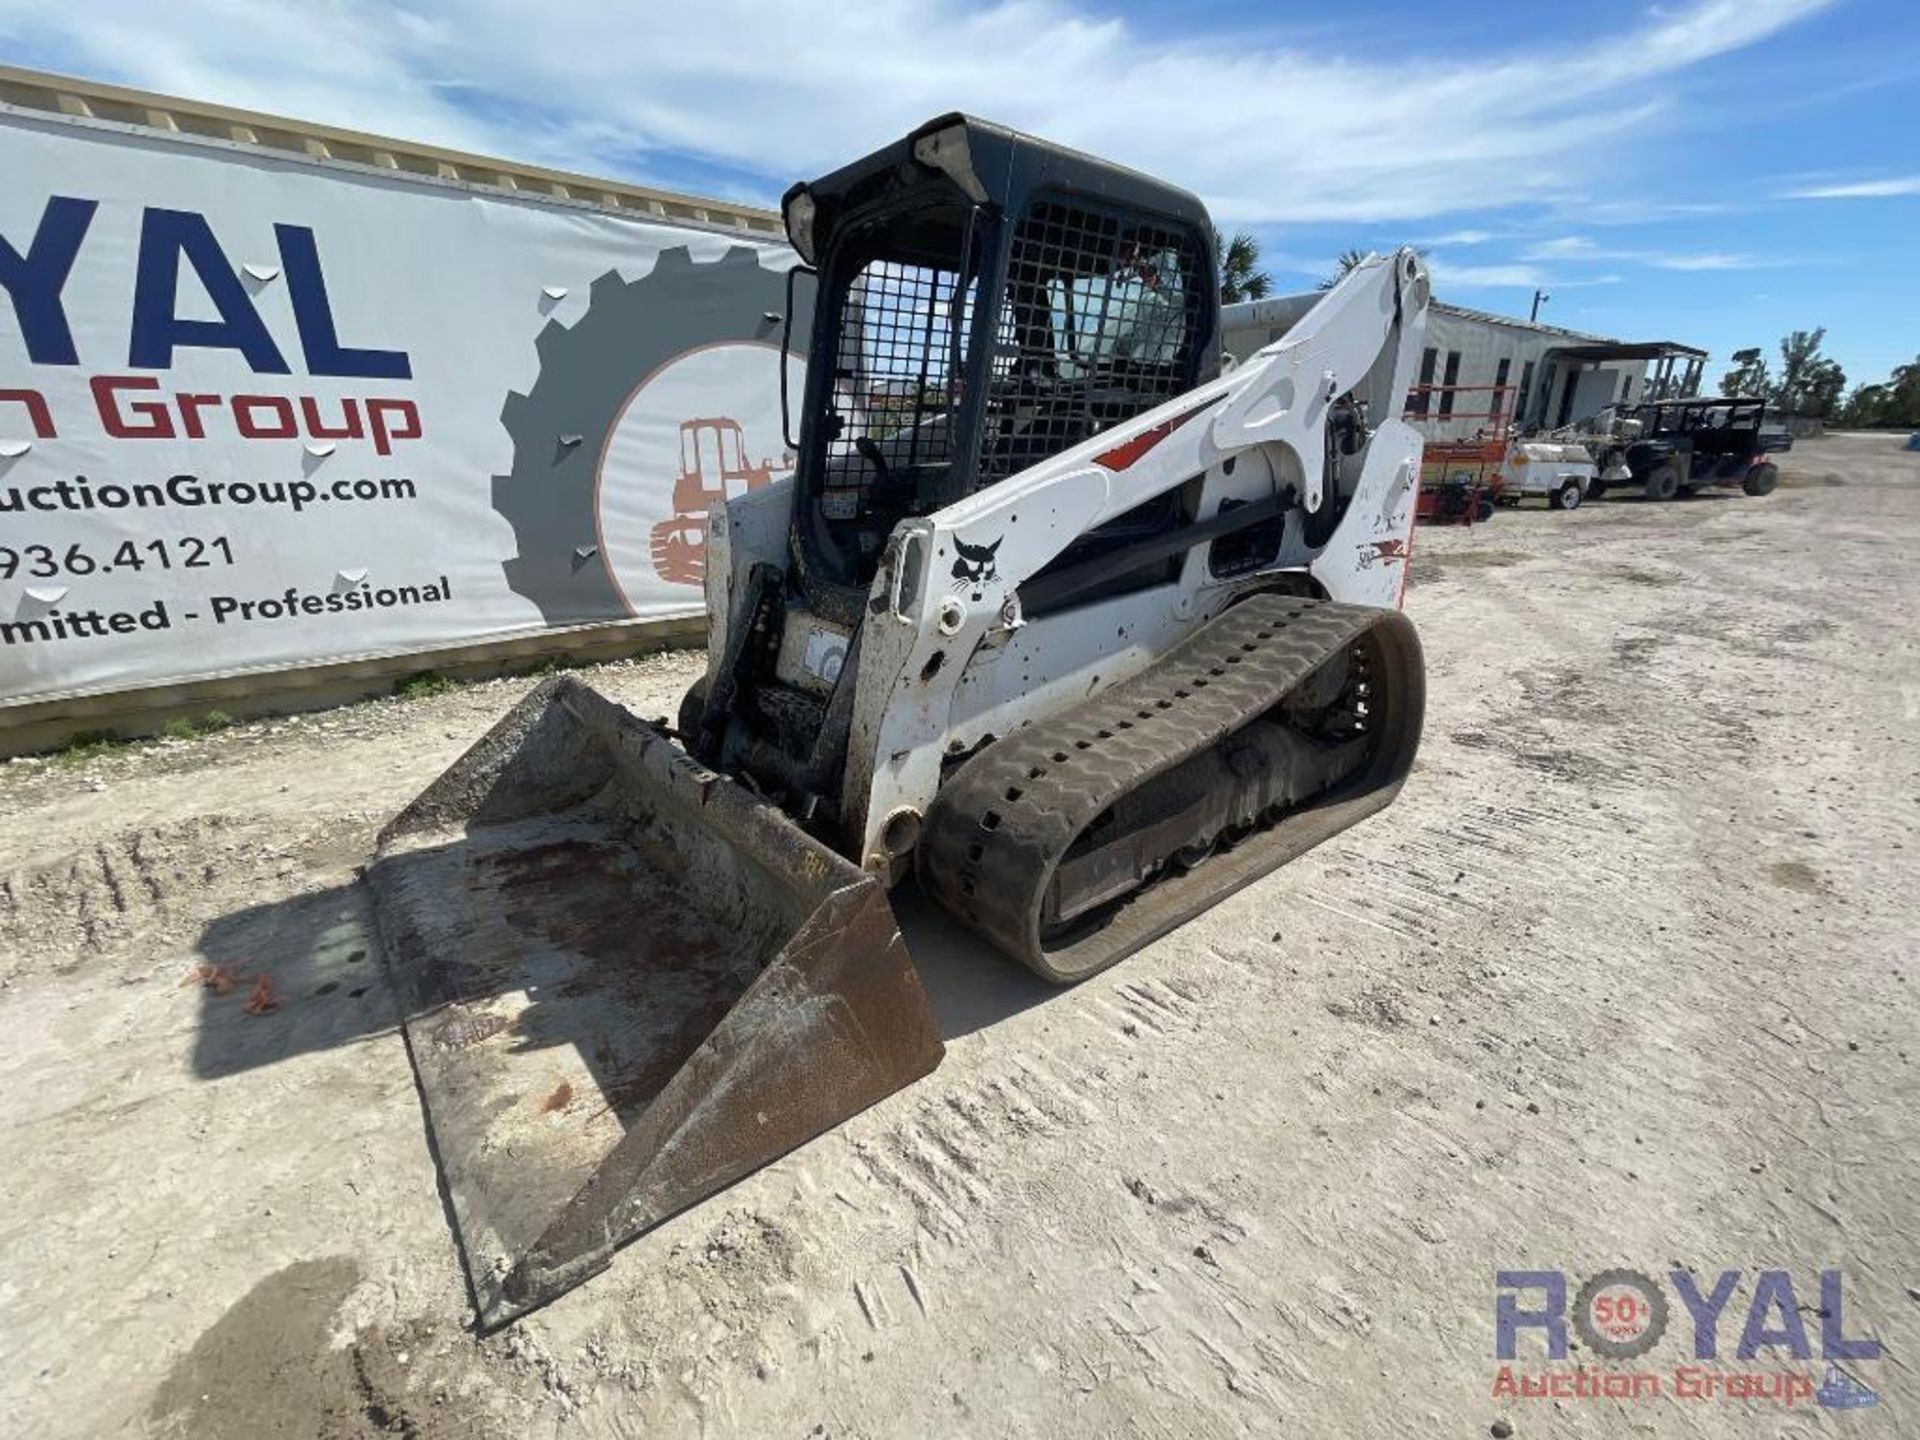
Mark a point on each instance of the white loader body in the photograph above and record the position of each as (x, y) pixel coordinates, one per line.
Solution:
(949, 659)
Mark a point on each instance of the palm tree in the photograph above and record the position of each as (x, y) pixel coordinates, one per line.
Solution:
(1240, 275)
(1347, 261)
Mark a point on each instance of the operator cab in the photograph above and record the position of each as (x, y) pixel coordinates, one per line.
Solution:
(986, 300)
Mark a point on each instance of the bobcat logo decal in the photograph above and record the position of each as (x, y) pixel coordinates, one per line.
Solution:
(974, 563)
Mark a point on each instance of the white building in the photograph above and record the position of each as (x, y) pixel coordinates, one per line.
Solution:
(1481, 370)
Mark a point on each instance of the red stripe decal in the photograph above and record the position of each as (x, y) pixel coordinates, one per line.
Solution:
(1124, 455)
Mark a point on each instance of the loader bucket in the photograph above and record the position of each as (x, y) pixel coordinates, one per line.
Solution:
(627, 983)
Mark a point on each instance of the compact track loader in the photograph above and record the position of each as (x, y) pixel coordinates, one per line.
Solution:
(1052, 614)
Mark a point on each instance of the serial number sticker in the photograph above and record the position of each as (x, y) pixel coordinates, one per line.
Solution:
(826, 653)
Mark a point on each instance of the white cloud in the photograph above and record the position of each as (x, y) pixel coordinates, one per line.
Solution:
(1277, 260)
(1710, 262)
(1860, 190)
(1567, 247)
(1265, 132)
(1579, 247)
(1648, 210)
(1459, 237)
(1449, 276)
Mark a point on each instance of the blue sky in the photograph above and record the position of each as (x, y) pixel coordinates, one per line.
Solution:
(1710, 171)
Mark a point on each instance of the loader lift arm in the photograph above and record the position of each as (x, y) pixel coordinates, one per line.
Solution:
(1236, 452)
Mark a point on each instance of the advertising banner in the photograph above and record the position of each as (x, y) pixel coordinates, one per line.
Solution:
(258, 412)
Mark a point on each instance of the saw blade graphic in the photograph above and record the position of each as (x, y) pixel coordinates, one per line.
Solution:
(559, 427)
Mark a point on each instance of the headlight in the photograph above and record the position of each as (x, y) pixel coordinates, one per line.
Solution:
(948, 150)
(798, 214)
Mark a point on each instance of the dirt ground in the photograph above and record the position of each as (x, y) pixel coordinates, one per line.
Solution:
(1627, 977)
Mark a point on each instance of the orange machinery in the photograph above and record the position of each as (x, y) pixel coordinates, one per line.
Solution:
(1461, 463)
(713, 466)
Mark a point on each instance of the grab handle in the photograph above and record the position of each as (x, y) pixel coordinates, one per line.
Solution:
(903, 587)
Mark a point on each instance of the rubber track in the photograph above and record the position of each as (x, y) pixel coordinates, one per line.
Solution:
(1001, 825)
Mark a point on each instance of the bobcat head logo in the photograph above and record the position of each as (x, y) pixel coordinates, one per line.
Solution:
(974, 565)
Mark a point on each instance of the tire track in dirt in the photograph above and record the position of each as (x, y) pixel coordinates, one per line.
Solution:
(65, 911)
(938, 1164)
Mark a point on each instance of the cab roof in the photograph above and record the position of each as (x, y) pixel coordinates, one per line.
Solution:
(989, 164)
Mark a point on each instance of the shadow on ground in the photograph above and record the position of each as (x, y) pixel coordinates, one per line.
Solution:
(970, 985)
(322, 954)
(617, 1071)
(319, 955)
(1713, 495)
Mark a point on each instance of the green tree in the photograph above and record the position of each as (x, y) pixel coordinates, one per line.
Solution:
(1826, 383)
(1810, 383)
(1864, 408)
(1748, 376)
(1349, 261)
(1893, 404)
(1241, 277)
(1903, 405)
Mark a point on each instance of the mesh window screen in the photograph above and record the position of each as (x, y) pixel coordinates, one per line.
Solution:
(896, 374)
(1093, 331)
(1093, 328)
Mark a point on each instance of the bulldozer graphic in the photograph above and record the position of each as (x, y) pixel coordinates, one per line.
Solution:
(713, 469)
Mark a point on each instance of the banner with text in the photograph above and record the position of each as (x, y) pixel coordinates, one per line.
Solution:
(258, 412)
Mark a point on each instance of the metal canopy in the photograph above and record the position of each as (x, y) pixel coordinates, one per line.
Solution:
(1622, 350)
